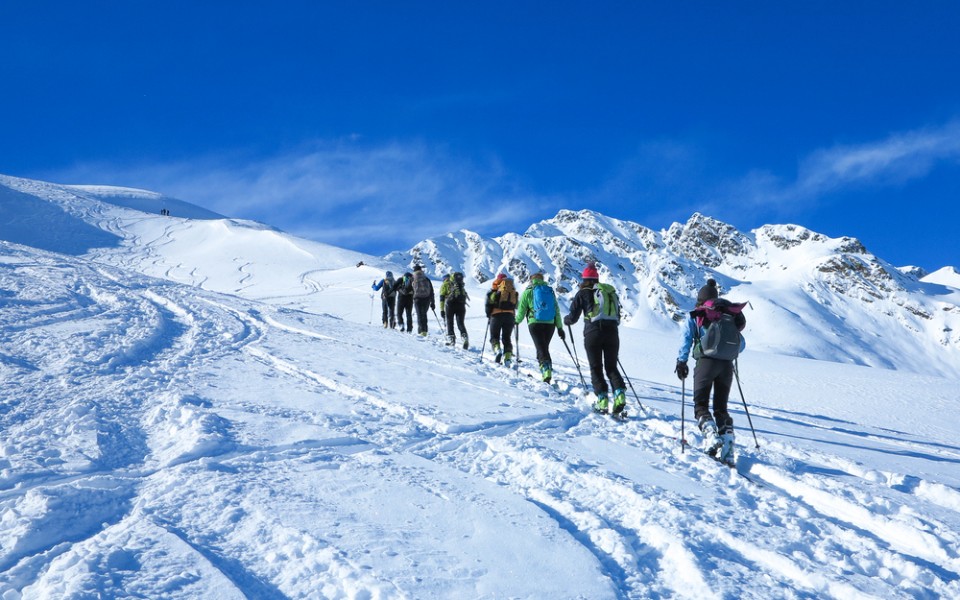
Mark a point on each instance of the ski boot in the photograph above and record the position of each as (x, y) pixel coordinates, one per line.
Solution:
(727, 453)
(711, 439)
(466, 342)
(600, 406)
(619, 401)
(507, 358)
(498, 353)
(546, 371)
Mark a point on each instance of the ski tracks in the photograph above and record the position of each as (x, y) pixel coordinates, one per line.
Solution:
(649, 546)
(818, 525)
(103, 347)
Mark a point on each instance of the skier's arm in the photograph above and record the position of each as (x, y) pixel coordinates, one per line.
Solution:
(523, 306)
(688, 336)
(576, 307)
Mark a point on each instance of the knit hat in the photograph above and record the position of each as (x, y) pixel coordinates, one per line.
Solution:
(537, 275)
(389, 274)
(590, 271)
(501, 276)
(417, 268)
(707, 292)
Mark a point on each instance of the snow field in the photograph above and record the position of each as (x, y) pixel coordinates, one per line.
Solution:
(231, 431)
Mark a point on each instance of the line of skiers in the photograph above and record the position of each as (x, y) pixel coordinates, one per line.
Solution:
(712, 333)
(399, 298)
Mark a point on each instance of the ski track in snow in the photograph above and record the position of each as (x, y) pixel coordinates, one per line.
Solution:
(111, 508)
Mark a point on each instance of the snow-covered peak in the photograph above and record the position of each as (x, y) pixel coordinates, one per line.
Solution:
(948, 276)
(707, 241)
(807, 288)
(591, 227)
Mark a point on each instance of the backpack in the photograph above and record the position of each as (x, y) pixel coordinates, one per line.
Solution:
(455, 290)
(422, 288)
(606, 304)
(504, 298)
(507, 296)
(405, 285)
(388, 289)
(544, 304)
(721, 340)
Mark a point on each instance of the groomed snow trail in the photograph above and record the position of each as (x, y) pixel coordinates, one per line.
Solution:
(160, 440)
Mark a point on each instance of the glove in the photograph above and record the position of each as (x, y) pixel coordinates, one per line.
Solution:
(562, 335)
(433, 306)
(682, 370)
(566, 321)
(443, 314)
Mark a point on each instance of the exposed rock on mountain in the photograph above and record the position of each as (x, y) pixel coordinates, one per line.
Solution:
(812, 295)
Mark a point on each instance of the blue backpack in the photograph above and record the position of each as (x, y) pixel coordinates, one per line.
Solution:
(544, 304)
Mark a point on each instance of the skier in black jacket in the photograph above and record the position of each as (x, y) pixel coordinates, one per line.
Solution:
(601, 339)
(404, 288)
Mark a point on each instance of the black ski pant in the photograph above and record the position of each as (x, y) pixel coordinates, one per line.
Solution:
(501, 331)
(405, 307)
(717, 375)
(602, 345)
(423, 307)
(542, 333)
(388, 310)
(458, 311)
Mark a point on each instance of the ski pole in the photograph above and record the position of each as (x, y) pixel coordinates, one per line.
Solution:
(483, 346)
(736, 372)
(516, 354)
(575, 357)
(576, 363)
(439, 323)
(371, 310)
(627, 377)
(683, 411)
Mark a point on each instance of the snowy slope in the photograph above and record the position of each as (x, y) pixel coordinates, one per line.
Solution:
(163, 438)
(947, 276)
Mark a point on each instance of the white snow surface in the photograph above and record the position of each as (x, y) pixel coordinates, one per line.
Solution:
(947, 276)
(207, 408)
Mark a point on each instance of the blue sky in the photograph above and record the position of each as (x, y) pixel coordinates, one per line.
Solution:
(373, 125)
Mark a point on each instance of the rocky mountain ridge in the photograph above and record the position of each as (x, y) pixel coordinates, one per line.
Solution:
(809, 292)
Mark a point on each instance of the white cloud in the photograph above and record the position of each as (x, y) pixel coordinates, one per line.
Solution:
(896, 160)
(899, 158)
(342, 193)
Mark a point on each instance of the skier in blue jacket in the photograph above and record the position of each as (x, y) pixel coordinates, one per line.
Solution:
(710, 374)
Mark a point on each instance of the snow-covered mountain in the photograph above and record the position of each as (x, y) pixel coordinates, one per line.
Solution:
(811, 295)
(199, 407)
(948, 276)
